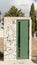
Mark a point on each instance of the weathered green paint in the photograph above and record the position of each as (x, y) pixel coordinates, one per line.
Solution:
(24, 39)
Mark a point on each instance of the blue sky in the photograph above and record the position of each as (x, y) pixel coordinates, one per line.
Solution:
(35, 0)
(23, 4)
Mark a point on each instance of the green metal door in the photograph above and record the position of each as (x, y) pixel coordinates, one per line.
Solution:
(22, 39)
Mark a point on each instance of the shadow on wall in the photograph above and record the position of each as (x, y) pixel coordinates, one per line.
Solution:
(1, 56)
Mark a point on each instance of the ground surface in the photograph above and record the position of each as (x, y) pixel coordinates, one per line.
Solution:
(1, 44)
(1, 48)
(34, 49)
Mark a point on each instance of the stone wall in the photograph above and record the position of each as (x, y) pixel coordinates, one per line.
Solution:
(9, 39)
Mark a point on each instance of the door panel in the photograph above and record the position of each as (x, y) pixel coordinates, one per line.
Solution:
(22, 41)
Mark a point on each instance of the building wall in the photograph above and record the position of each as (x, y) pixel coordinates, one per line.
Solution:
(10, 37)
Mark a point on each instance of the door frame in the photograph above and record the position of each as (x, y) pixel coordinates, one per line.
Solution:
(30, 32)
